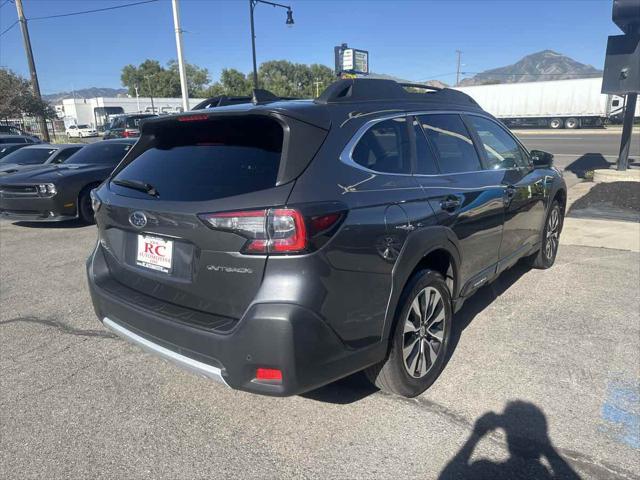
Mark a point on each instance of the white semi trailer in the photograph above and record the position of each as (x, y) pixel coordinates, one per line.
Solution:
(553, 104)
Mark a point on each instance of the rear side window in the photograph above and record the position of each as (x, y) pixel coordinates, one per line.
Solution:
(66, 153)
(198, 161)
(502, 150)
(450, 138)
(385, 147)
(100, 153)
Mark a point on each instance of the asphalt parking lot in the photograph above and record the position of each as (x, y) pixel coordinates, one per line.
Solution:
(545, 375)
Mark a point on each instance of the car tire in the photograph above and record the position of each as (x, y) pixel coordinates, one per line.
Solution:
(556, 123)
(85, 210)
(546, 256)
(420, 338)
(571, 123)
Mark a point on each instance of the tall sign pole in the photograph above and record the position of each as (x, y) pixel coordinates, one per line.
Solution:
(459, 53)
(32, 67)
(183, 73)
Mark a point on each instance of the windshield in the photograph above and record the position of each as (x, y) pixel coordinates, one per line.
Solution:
(6, 150)
(29, 156)
(84, 126)
(100, 153)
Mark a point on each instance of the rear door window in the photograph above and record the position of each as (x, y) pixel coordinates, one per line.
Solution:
(206, 160)
(385, 147)
(452, 141)
(501, 148)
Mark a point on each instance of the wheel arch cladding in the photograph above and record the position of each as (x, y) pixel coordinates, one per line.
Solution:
(434, 248)
(561, 196)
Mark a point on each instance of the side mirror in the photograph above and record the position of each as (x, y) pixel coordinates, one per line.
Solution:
(541, 159)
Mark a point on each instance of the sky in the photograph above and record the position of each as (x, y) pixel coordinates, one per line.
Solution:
(413, 39)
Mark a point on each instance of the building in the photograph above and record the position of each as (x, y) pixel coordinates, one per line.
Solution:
(96, 111)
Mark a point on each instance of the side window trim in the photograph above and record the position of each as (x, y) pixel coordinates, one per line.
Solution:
(345, 155)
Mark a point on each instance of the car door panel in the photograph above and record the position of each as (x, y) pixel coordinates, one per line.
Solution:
(524, 187)
(463, 197)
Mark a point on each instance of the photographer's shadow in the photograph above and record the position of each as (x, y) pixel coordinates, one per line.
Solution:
(528, 442)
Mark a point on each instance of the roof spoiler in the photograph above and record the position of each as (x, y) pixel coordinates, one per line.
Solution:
(374, 89)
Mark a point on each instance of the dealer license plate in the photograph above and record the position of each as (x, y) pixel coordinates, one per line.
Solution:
(155, 253)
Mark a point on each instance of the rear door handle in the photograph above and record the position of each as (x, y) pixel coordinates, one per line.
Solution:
(450, 204)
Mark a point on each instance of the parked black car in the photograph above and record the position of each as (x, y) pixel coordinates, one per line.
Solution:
(13, 130)
(61, 191)
(34, 156)
(126, 126)
(279, 246)
(4, 139)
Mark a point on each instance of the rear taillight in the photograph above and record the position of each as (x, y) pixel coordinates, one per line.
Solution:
(275, 230)
(130, 133)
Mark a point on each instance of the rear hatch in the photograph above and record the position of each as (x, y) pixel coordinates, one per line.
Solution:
(178, 215)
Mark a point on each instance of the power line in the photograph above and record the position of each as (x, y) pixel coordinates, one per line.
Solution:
(5, 2)
(94, 11)
(9, 28)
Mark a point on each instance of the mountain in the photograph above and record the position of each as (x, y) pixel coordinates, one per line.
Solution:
(91, 92)
(545, 65)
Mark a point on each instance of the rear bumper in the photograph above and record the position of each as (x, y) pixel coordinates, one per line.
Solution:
(182, 361)
(281, 336)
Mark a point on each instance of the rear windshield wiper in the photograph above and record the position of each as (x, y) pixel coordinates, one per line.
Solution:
(138, 185)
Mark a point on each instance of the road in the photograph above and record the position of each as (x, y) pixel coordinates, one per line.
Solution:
(579, 151)
(555, 354)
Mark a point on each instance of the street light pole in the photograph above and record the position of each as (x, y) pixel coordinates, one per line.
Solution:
(32, 67)
(181, 67)
(252, 6)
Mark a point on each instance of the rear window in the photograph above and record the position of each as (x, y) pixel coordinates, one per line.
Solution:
(205, 160)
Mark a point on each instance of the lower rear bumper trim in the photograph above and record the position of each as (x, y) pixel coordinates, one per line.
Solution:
(194, 366)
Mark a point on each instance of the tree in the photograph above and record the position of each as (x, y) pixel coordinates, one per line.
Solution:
(17, 98)
(152, 79)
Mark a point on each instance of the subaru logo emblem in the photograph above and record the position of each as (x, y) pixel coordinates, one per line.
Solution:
(138, 219)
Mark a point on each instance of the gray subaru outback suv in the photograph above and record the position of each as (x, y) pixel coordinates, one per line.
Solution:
(276, 246)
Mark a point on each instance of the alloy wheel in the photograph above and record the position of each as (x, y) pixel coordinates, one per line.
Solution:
(423, 332)
(552, 234)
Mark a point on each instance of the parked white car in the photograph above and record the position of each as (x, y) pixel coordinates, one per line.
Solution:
(80, 131)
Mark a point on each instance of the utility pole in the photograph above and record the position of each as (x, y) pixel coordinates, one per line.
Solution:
(459, 53)
(181, 68)
(32, 67)
(317, 84)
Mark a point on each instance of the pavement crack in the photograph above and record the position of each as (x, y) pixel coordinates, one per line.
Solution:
(61, 326)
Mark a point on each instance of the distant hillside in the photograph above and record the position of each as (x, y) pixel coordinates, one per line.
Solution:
(91, 92)
(541, 66)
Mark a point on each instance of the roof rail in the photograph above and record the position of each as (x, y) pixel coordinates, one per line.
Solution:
(374, 89)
